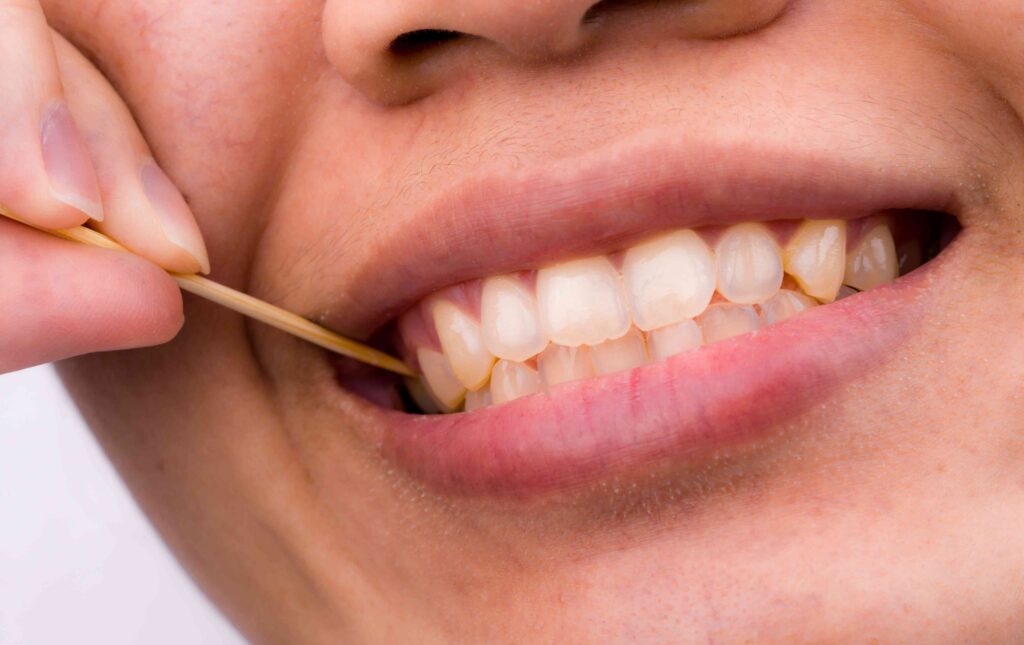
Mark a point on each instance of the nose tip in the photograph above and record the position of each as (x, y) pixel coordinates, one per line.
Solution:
(392, 51)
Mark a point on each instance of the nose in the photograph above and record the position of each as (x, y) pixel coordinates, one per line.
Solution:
(394, 50)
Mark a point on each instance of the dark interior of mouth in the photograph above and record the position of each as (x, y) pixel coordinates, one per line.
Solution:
(919, 237)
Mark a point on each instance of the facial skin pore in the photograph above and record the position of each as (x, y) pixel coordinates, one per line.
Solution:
(892, 509)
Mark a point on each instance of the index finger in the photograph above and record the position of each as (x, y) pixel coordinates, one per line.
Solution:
(46, 173)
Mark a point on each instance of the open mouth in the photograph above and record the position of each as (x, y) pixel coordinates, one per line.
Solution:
(491, 341)
(671, 335)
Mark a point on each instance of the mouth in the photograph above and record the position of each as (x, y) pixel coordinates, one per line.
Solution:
(606, 320)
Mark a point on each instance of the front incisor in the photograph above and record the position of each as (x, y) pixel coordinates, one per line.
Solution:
(668, 279)
(620, 354)
(675, 339)
(581, 302)
(511, 381)
(558, 364)
(724, 321)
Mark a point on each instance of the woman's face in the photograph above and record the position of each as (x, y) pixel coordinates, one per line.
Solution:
(854, 472)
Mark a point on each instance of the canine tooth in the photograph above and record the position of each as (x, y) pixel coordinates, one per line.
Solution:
(479, 399)
(560, 364)
(668, 279)
(873, 261)
(581, 302)
(749, 264)
(440, 379)
(620, 354)
(725, 320)
(785, 304)
(816, 257)
(510, 320)
(510, 381)
(463, 343)
(675, 339)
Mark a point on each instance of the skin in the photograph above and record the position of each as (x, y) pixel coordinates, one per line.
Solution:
(892, 511)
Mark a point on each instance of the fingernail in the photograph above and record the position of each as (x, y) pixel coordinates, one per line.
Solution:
(68, 164)
(175, 216)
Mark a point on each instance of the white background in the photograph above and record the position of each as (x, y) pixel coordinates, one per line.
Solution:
(78, 561)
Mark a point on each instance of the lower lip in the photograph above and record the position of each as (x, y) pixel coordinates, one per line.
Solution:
(688, 408)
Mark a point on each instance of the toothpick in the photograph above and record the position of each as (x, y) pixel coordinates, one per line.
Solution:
(246, 305)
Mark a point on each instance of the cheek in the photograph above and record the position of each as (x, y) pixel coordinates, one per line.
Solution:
(215, 88)
(986, 34)
(212, 84)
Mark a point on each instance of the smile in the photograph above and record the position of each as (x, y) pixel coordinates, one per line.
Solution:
(664, 344)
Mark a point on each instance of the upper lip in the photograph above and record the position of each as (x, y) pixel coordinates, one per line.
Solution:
(505, 221)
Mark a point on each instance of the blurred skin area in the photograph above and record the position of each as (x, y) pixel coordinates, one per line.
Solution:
(894, 510)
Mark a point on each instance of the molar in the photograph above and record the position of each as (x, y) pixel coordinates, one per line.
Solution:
(675, 339)
(582, 302)
(785, 304)
(440, 379)
(872, 262)
(749, 264)
(558, 364)
(510, 381)
(620, 354)
(668, 279)
(510, 319)
(726, 320)
(816, 257)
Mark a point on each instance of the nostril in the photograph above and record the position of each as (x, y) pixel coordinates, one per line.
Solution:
(601, 9)
(421, 40)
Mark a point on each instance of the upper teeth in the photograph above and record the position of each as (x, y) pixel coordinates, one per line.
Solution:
(513, 336)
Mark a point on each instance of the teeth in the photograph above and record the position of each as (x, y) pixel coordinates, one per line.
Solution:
(872, 262)
(581, 302)
(511, 322)
(749, 264)
(620, 354)
(463, 343)
(668, 279)
(511, 381)
(479, 399)
(724, 321)
(845, 292)
(785, 304)
(560, 364)
(440, 380)
(675, 339)
(585, 319)
(816, 257)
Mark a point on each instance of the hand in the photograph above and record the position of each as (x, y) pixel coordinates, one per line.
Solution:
(70, 151)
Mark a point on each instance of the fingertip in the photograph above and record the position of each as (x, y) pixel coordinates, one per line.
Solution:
(174, 215)
(68, 163)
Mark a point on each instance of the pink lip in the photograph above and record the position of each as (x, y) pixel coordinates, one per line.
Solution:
(506, 221)
(684, 408)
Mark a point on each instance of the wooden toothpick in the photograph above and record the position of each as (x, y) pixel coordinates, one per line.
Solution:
(246, 305)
